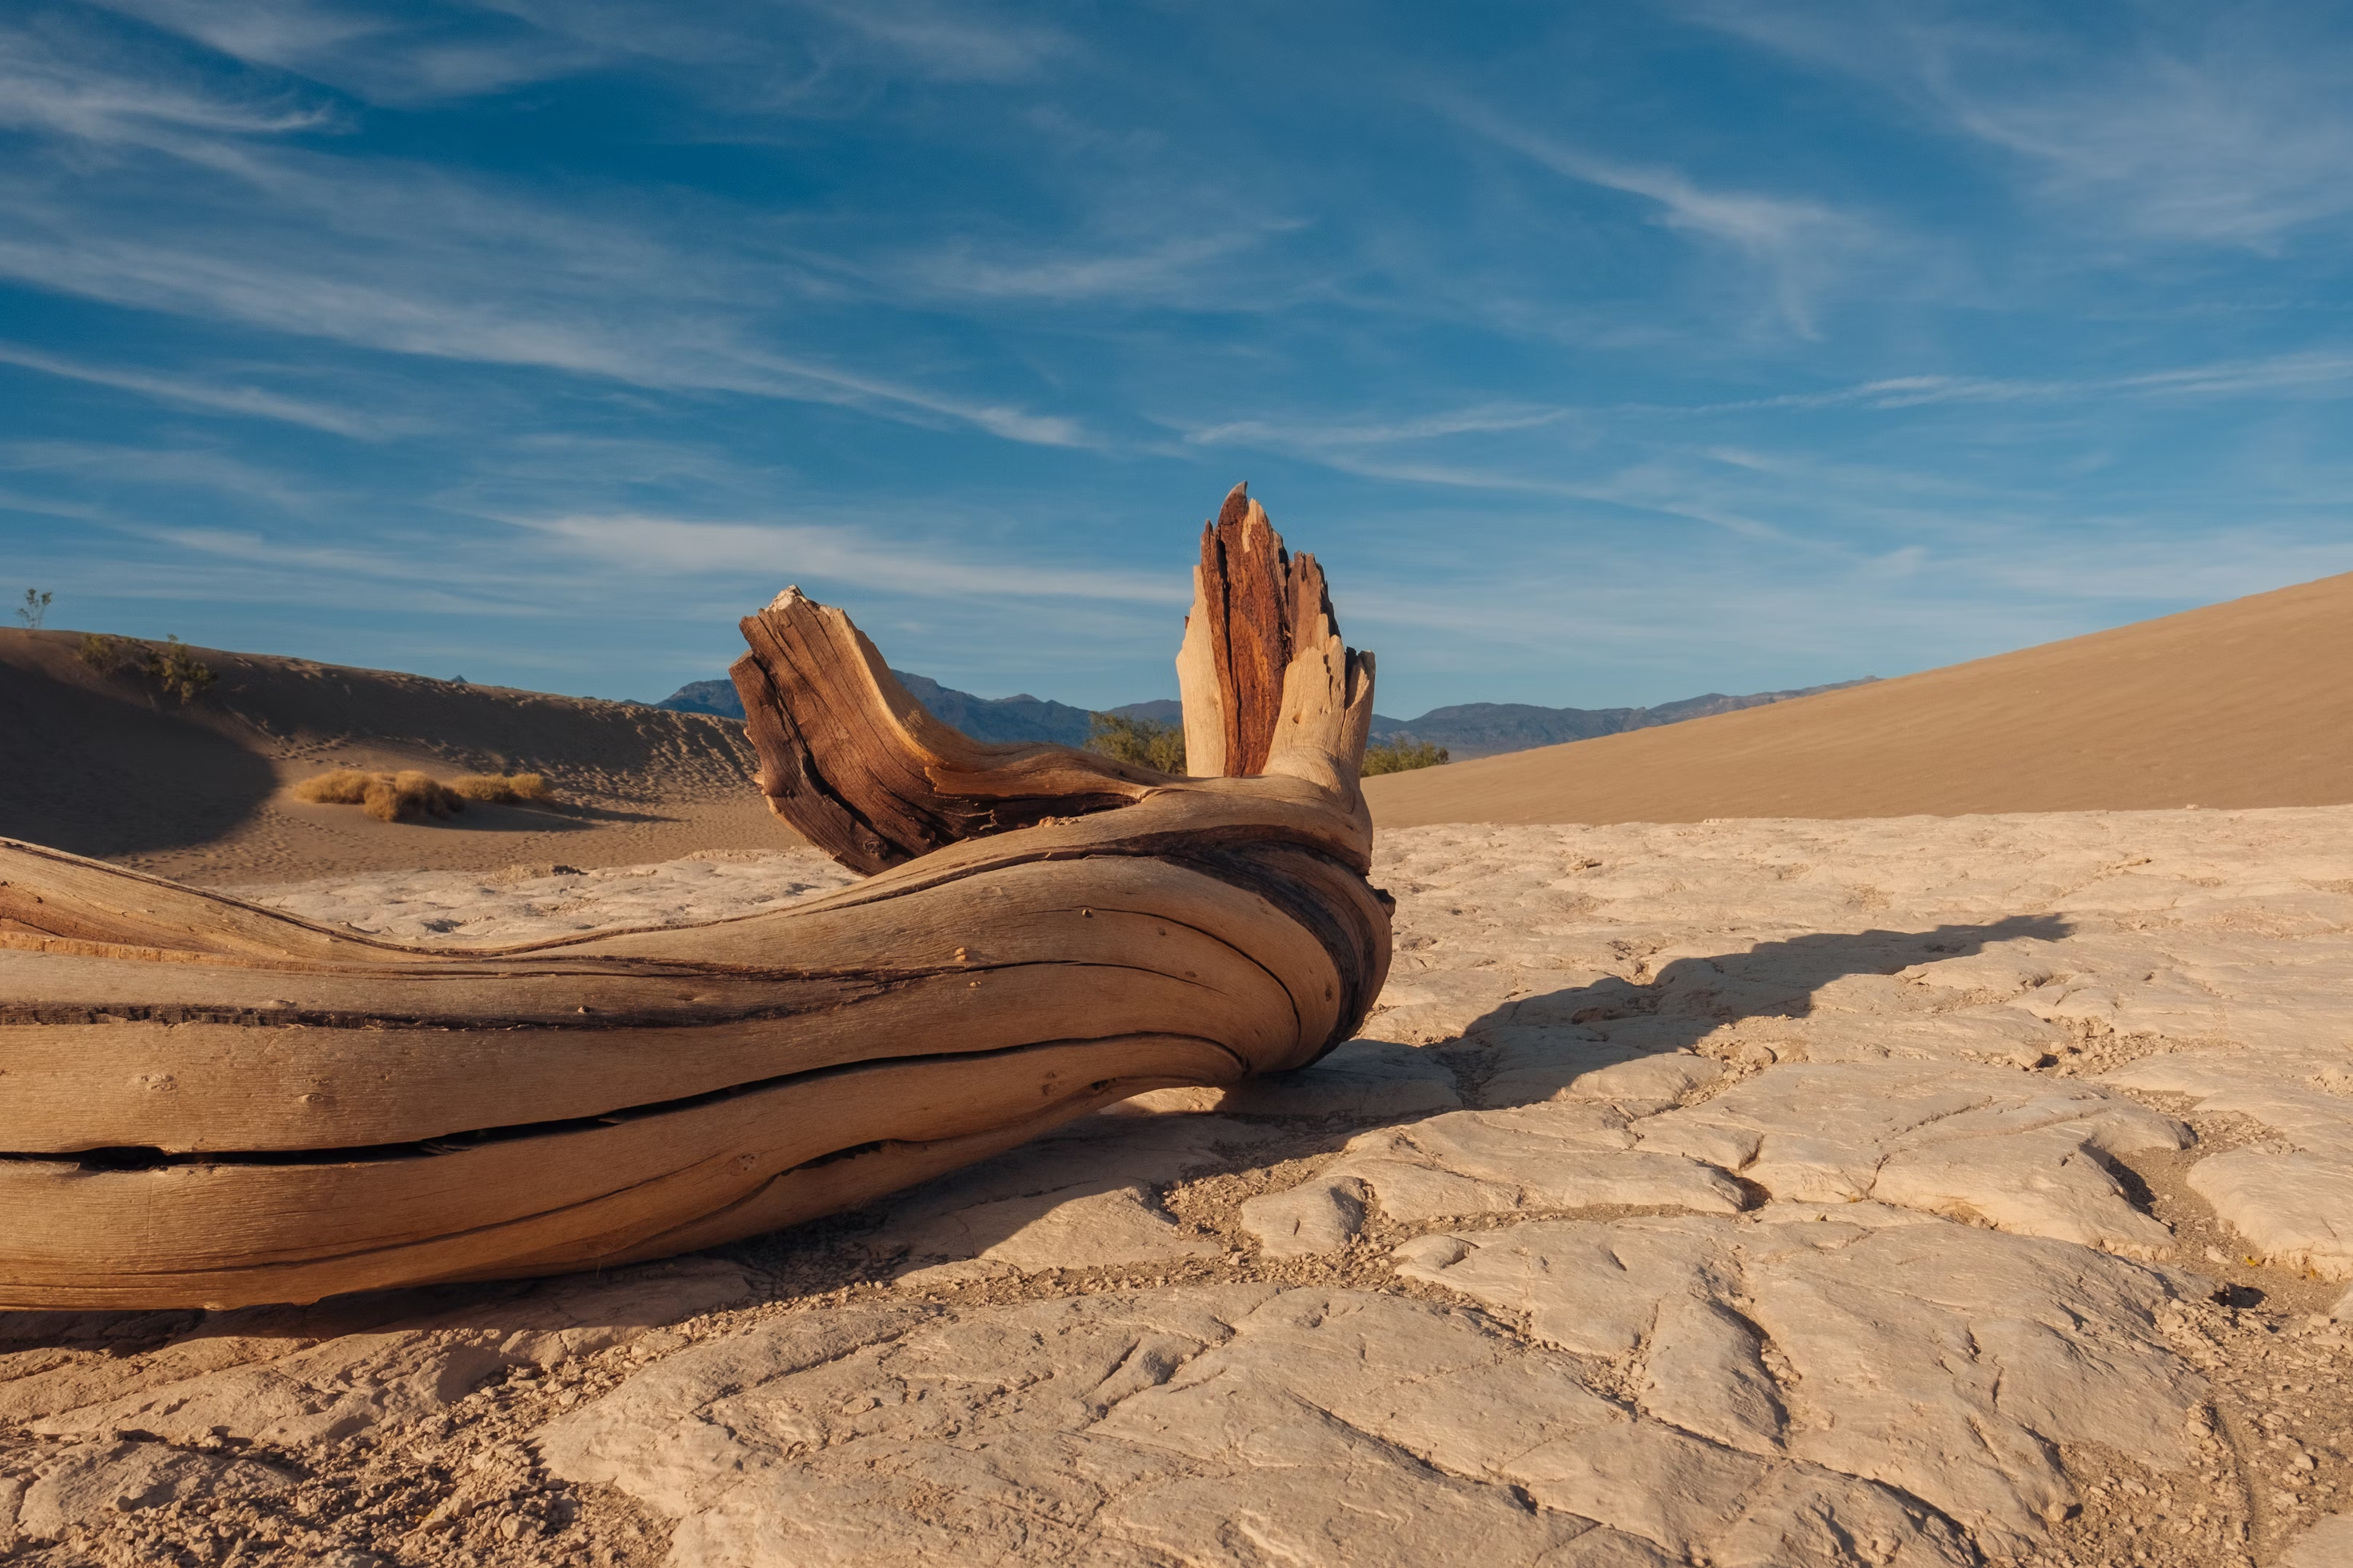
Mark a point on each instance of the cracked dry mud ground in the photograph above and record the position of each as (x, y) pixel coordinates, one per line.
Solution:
(1915, 1192)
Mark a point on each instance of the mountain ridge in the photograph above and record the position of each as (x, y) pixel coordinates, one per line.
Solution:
(1491, 729)
(1465, 729)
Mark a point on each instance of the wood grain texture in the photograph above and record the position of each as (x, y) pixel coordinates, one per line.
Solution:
(867, 773)
(211, 1103)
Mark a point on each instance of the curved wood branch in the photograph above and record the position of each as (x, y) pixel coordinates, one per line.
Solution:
(209, 1103)
(866, 774)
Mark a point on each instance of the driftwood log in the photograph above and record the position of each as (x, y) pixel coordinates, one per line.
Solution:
(207, 1103)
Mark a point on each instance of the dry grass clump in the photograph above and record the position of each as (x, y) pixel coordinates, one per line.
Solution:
(403, 797)
(501, 789)
(344, 786)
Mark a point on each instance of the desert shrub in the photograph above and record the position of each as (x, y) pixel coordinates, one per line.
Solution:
(408, 794)
(35, 607)
(344, 786)
(501, 789)
(1400, 755)
(403, 797)
(102, 653)
(1148, 742)
(178, 671)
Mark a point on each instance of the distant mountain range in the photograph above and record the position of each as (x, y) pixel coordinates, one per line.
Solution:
(1486, 729)
(1019, 718)
(1465, 729)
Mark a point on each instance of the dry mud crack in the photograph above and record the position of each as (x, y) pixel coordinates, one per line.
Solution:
(1917, 1192)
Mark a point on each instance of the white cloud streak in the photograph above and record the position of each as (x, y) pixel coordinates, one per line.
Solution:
(106, 465)
(410, 264)
(385, 55)
(798, 52)
(667, 546)
(2221, 127)
(386, 256)
(110, 97)
(2314, 372)
(951, 42)
(250, 402)
(1799, 245)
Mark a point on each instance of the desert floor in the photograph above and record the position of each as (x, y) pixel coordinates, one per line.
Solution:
(1921, 1191)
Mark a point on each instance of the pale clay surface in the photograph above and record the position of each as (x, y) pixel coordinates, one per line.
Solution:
(1918, 1192)
(532, 903)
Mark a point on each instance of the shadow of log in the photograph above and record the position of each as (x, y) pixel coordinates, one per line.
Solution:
(1104, 1178)
(566, 817)
(1560, 1035)
(1109, 1172)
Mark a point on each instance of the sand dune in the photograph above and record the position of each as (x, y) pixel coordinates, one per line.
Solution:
(103, 764)
(2240, 704)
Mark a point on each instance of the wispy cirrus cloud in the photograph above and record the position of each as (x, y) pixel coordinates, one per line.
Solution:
(2322, 373)
(106, 91)
(391, 256)
(107, 467)
(401, 261)
(1378, 432)
(1169, 269)
(187, 392)
(1659, 490)
(343, 563)
(386, 54)
(669, 546)
(1799, 245)
(952, 42)
(2225, 128)
(2318, 371)
(799, 52)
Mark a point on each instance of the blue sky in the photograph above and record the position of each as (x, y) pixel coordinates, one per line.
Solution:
(1605, 353)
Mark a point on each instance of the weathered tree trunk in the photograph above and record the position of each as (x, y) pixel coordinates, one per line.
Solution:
(203, 1102)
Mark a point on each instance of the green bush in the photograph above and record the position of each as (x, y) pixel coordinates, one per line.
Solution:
(1400, 755)
(1148, 742)
(178, 671)
(104, 654)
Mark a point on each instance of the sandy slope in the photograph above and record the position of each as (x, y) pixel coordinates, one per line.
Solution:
(2240, 704)
(103, 765)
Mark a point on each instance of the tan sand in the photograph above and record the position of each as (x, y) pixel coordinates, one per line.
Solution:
(1913, 1192)
(2242, 704)
(105, 765)
(533, 903)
